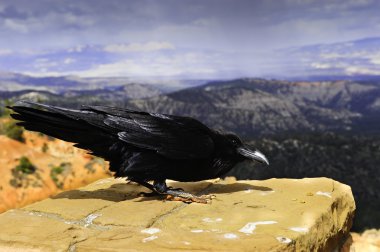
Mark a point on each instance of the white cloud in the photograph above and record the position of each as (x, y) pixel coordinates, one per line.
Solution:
(352, 70)
(318, 65)
(375, 59)
(43, 64)
(77, 49)
(68, 61)
(138, 47)
(15, 26)
(5, 52)
(43, 72)
(83, 21)
(332, 55)
(188, 64)
(350, 55)
(329, 65)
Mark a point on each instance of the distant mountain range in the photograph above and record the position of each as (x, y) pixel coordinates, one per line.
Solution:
(61, 84)
(117, 95)
(249, 106)
(261, 107)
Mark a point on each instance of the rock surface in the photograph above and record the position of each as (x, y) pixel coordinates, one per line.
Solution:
(108, 215)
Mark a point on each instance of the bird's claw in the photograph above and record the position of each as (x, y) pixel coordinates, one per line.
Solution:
(148, 194)
(190, 198)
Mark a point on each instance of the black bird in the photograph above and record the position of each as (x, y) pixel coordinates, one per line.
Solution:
(142, 146)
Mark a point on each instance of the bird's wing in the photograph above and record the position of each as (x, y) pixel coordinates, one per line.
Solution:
(100, 129)
(173, 137)
(84, 128)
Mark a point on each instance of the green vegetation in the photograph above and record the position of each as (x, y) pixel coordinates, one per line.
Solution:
(95, 160)
(25, 174)
(11, 130)
(4, 112)
(44, 148)
(57, 173)
(25, 166)
(9, 127)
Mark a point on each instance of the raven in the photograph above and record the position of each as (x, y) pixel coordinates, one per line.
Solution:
(142, 146)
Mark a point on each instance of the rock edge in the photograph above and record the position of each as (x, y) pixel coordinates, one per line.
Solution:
(311, 214)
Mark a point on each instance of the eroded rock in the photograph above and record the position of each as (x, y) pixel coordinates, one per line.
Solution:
(109, 215)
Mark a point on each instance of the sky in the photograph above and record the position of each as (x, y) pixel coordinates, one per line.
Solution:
(197, 39)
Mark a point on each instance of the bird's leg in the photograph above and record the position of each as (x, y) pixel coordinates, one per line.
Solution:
(179, 194)
(147, 185)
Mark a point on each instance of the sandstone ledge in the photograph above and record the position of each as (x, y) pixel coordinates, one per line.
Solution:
(272, 215)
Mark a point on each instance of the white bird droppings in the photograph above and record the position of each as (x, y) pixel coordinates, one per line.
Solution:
(327, 194)
(283, 239)
(89, 219)
(150, 230)
(150, 238)
(300, 229)
(186, 243)
(230, 236)
(250, 226)
(197, 231)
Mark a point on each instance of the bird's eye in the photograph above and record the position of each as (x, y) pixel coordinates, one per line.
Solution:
(233, 139)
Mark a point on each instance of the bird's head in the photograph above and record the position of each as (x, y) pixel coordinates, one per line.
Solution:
(245, 150)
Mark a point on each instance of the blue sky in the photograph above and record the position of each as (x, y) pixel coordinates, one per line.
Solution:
(189, 39)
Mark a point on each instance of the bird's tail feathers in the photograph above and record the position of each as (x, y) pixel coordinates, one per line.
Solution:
(53, 121)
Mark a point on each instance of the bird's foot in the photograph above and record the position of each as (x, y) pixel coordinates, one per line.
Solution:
(176, 195)
(175, 189)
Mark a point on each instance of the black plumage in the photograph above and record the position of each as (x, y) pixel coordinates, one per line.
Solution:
(142, 146)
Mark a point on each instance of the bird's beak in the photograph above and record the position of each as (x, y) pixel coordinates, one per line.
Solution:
(254, 155)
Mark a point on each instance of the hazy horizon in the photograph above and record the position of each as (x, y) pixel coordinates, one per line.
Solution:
(190, 39)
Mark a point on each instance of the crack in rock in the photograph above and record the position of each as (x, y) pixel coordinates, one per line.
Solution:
(86, 222)
(177, 208)
(73, 246)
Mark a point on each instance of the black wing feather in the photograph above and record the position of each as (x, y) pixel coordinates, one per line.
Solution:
(98, 128)
(170, 136)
